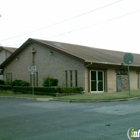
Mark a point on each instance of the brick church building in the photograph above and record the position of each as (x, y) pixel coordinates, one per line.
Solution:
(96, 70)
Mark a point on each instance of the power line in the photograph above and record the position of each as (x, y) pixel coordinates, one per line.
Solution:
(89, 25)
(62, 21)
(95, 24)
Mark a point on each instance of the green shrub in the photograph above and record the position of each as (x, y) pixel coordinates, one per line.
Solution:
(47, 82)
(20, 83)
(2, 82)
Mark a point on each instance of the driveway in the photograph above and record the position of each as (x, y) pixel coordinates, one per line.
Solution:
(24, 119)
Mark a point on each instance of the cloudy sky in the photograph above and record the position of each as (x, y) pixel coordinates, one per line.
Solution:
(107, 24)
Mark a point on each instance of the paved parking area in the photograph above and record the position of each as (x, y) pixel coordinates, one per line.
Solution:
(24, 119)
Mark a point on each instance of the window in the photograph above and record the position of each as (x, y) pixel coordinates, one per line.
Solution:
(9, 77)
(66, 77)
(71, 78)
(76, 80)
(36, 77)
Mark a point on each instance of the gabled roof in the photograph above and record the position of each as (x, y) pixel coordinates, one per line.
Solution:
(10, 49)
(87, 54)
(91, 54)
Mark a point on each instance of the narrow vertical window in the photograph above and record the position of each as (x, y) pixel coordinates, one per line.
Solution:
(66, 78)
(6, 77)
(30, 79)
(9, 77)
(71, 78)
(36, 79)
(8, 80)
(76, 79)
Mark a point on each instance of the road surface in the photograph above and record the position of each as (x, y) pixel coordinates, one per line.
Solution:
(24, 119)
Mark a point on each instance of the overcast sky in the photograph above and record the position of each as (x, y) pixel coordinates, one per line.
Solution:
(107, 24)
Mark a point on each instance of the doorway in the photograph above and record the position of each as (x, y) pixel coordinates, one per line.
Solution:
(96, 81)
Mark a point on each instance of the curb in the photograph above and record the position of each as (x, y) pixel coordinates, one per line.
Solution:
(38, 99)
(96, 101)
(74, 101)
(18, 97)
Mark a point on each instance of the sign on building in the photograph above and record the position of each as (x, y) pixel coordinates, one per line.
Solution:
(32, 69)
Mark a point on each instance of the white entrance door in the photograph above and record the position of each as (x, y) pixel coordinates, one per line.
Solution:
(96, 81)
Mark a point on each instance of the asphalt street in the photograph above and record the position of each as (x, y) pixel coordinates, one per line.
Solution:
(24, 119)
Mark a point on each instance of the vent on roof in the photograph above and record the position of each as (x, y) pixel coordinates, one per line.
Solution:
(56, 44)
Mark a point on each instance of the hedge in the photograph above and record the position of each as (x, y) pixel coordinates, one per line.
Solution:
(5, 87)
(20, 83)
(53, 91)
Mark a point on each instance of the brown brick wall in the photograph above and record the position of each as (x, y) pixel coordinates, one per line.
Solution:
(47, 65)
(111, 80)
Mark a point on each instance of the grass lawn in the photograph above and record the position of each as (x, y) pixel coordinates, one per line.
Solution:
(82, 97)
(102, 96)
